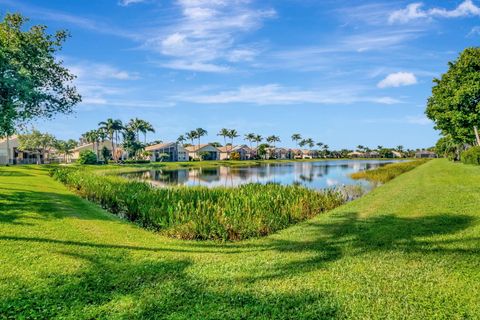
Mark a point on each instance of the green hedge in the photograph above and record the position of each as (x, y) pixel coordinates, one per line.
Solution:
(388, 172)
(199, 212)
(471, 156)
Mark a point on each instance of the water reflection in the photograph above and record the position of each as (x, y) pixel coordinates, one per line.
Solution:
(315, 175)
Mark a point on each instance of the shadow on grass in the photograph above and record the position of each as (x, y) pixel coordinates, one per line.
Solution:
(13, 173)
(44, 205)
(114, 286)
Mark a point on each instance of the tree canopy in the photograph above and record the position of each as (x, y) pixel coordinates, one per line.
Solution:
(33, 83)
(454, 105)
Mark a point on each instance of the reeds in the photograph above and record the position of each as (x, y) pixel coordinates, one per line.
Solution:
(250, 210)
(388, 172)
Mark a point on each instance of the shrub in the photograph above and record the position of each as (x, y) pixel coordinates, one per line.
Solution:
(199, 212)
(471, 156)
(87, 157)
(235, 156)
(388, 172)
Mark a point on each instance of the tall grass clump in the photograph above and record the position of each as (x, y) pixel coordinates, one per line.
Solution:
(471, 156)
(199, 212)
(388, 172)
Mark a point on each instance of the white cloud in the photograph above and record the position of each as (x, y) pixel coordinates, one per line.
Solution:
(86, 70)
(206, 35)
(274, 94)
(129, 2)
(398, 79)
(414, 11)
(474, 32)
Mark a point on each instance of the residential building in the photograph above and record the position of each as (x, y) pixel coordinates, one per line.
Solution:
(171, 151)
(243, 151)
(203, 152)
(17, 156)
(90, 146)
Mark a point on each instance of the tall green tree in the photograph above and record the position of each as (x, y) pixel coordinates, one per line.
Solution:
(33, 82)
(224, 132)
(200, 133)
(250, 137)
(454, 105)
(273, 139)
(36, 142)
(191, 135)
(112, 128)
(65, 147)
(296, 137)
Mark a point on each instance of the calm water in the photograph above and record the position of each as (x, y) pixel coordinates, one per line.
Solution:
(315, 175)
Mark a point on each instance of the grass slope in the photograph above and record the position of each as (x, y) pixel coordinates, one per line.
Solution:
(409, 249)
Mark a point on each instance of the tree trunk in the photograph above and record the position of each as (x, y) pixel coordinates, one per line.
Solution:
(477, 137)
(8, 150)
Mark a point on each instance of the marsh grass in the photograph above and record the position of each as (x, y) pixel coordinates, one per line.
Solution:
(388, 172)
(220, 213)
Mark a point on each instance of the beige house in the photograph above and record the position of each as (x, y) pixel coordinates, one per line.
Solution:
(244, 152)
(356, 154)
(90, 146)
(172, 151)
(22, 157)
(203, 152)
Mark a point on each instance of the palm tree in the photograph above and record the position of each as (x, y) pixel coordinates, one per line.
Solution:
(135, 125)
(192, 135)
(181, 139)
(250, 137)
(145, 128)
(360, 148)
(325, 150)
(200, 133)
(296, 137)
(400, 148)
(258, 139)
(112, 127)
(224, 133)
(232, 134)
(273, 139)
(319, 144)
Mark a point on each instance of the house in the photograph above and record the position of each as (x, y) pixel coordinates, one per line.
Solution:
(356, 154)
(307, 154)
(372, 154)
(172, 151)
(425, 154)
(279, 153)
(397, 154)
(90, 146)
(203, 152)
(243, 151)
(17, 156)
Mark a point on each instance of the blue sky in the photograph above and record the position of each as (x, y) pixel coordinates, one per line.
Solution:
(340, 72)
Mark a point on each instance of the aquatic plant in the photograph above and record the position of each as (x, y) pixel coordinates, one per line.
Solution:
(388, 172)
(250, 210)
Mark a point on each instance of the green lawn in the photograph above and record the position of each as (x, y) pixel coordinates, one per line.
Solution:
(409, 249)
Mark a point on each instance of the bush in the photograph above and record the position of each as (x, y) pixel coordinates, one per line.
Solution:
(140, 161)
(471, 156)
(87, 157)
(199, 212)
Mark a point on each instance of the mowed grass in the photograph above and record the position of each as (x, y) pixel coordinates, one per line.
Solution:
(408, 250)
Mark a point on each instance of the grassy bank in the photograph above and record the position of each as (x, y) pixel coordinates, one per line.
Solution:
(387, 172)
(199, 212)
(410, 249)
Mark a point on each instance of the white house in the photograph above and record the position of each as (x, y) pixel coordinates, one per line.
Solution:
(171, 151)
(203, 152)
(21, 157)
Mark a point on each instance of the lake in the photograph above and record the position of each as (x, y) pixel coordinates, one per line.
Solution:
(314, 175)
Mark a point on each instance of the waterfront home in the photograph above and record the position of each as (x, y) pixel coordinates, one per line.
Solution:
(425, 154)
(94, 147)
(203, 152)
(397, 154)
(279, 153)
(37, 156)
(171, 151)
(356, 154)
(243, 151)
